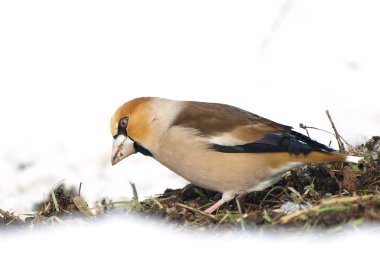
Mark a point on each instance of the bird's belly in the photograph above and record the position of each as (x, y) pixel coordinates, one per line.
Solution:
(223, 172)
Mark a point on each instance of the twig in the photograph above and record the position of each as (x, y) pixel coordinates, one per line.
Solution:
(156, 202)
(343, 200)
(303, 126)
(373, 183)
(196, 210)
(269, 192)
(242, 223)
(206, 205)
(135, 198)
(55, 202)
(337, 135)
(80, 188)
(374, 214)
(9, 223)
(134, 190)
(222, 220)
(55, 218)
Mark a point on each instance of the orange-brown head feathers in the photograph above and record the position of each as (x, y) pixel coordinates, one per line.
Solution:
(130, 127)
(131, 109)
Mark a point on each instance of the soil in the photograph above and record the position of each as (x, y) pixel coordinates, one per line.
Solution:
(333, 196)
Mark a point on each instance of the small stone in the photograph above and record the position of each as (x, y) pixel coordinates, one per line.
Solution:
(291, 207)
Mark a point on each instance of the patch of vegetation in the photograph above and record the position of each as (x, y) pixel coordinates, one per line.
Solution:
(331, 196)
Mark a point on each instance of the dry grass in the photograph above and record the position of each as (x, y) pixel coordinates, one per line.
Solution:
(332, 196)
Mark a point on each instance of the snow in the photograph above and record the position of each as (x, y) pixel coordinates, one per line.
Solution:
(66, 66)
(128, 234)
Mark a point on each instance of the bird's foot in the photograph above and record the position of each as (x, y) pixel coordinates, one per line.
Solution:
(227, 196)
(215, 206)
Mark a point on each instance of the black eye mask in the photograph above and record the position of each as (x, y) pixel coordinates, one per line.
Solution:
(122, 127)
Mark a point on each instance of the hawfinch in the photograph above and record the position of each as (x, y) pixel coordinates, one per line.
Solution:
(215, 146)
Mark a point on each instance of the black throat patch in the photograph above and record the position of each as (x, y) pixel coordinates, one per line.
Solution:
(141, 149)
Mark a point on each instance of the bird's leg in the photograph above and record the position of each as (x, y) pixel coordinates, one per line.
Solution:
(225, 198)
(241, 197)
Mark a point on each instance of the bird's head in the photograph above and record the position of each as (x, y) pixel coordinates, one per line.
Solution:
(131, 128)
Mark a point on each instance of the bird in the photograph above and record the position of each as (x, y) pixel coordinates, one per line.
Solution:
(215, 146)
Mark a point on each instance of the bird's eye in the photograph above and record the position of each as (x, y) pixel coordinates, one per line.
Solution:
(124, 122)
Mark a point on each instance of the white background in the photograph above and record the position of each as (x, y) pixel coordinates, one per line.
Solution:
(65, 66)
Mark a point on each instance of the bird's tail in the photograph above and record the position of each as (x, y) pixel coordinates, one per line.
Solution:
(353, 159)
(323, 157)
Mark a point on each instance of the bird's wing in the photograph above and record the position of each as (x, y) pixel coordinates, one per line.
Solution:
(232, 130)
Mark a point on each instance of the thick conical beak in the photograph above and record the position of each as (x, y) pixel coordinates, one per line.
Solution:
(122, 147)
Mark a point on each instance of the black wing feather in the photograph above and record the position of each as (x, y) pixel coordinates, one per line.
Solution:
(294, 143)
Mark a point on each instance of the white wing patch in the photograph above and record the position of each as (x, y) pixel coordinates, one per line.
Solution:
(226, 140)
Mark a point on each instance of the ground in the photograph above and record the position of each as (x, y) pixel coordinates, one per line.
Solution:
(334, 196)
